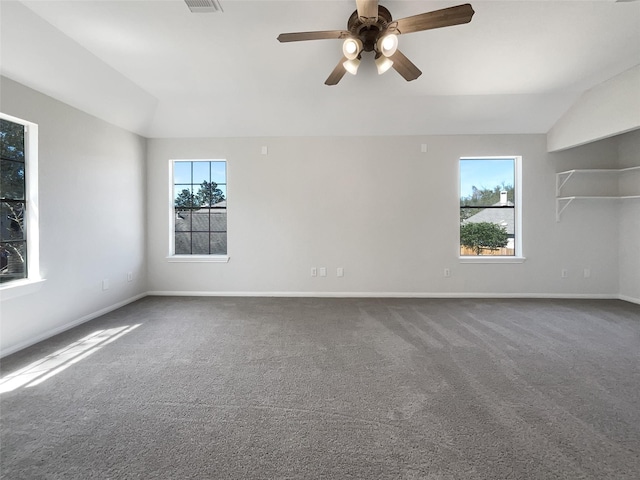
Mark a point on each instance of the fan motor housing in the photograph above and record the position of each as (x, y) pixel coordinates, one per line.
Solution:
(368, 33)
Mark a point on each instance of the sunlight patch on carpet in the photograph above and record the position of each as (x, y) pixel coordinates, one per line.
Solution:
(45, 368)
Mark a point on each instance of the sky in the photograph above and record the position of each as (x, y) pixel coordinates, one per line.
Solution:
(485, 173)
(481, 173)
(182, 172)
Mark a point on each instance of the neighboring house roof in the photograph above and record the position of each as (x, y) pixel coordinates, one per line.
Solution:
(500, 216)
(192, 231)
(202, 220)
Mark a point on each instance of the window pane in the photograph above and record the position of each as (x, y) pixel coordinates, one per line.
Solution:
(223, 192)
(218, 243)
(182, 172)
(13, 258)
(219, 220)
(209, 194)
(489, 232)
(12, 180)
(183, 196)
(482, 180)
(200, 243)
(200, 172)
(200, 207)
(200, 222)
(13, 207)
(183, 243)
(219, 172)
(12, 225)
(487, 183)
(182, 220)
(11, 140)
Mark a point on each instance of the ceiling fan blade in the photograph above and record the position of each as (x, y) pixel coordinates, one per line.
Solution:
(320, 35)
(436, 19)
(404, 66)
(337, 73)
(367, 10)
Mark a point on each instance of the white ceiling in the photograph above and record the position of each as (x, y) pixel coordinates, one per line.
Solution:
(155, 68)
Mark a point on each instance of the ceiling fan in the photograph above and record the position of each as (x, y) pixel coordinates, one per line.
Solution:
(372, 29)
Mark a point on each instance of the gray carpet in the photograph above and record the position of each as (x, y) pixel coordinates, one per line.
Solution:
(273, 388)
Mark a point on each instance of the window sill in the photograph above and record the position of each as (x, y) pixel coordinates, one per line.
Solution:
(198, 258)
(492, 259)
(19, 288)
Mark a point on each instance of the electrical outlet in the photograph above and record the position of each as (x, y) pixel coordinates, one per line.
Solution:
(129, 276)
(314, 272)
(447, 272)
(105, 284)
(564, 273)
(587, 273)
(323, 271)
(340, 272)
(423, 148)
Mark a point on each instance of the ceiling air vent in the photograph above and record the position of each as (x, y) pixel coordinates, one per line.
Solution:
(204, 6)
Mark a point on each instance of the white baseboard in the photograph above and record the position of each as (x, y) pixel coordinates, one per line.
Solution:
(68, 326)
(629, 299)
(585, 296)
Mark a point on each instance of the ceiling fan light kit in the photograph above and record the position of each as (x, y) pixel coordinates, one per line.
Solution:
(351, 48)
(387, 45)
(372, 29)
(383, 64)
(351, 65)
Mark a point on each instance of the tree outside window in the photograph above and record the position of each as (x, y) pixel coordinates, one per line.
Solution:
(487, 206)
(200, 207)
(13, 238)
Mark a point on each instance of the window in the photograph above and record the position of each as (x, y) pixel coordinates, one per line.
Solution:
(18, 200)
(199, 212)
(490, 219)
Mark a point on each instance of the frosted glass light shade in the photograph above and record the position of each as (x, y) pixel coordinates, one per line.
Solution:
(388, 45)
(351, 66)
(351, 48)
(383, 64)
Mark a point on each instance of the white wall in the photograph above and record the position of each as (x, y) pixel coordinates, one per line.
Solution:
(385, 212)
(608, 109)
(629, 156)
(376, 206)
(92, 208)
(32, 49)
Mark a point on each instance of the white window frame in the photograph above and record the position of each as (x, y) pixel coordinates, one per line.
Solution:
(172, 257)
(518, 257)
(33, 279)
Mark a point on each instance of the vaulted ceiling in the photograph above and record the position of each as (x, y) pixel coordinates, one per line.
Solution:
(155, 68)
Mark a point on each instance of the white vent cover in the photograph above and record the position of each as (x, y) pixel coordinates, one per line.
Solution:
(203, 6)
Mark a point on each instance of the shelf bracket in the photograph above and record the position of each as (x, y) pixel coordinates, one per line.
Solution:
(560, 181)
(561, 205)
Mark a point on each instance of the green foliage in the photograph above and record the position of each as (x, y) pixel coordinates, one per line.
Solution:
(209, 193)
(12, 193)
(483, 235)
(186, 200)
(487, 196)
(12, 179)
(11, 140)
